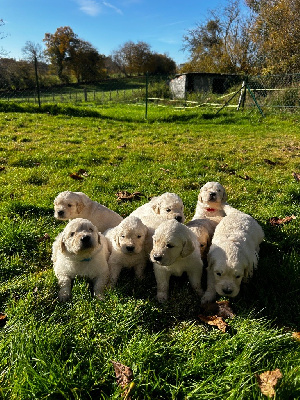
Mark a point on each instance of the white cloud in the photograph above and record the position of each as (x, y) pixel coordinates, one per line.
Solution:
(117, 10)
(90, 7)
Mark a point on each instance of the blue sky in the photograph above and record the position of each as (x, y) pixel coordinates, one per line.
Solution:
(105, 24)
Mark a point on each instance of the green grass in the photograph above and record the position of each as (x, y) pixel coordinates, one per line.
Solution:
(64, 351)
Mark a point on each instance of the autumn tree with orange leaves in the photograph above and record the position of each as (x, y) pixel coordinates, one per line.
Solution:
(73, 56)
(264, 37)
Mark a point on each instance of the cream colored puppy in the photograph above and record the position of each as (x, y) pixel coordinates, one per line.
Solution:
(69, 205)
(80, 250)
(211, 199)
(204, 229)
(233, 254)
(161, 208)
(175, 250)
(127, 246)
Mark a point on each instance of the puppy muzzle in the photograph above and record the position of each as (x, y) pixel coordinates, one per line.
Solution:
(157, 258)
(60, 214)
(212, 196)
(86, 242)
(178, 218)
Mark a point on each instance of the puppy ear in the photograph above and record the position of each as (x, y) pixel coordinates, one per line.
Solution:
(200, 198)
(79, 206)
(62, 245)
(156, 207)
(187, 248)
(224, 198)
(116, 237)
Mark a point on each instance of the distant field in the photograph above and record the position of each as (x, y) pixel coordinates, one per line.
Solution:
(64, 351)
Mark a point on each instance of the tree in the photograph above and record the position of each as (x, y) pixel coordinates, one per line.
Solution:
(222, 43)
(132, 58)
(276, 34)
(161, 64)
(73, 56)
(2, 36)
(59, 47)
(34, 53)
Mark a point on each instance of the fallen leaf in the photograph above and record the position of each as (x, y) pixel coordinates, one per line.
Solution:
(269, 162)
(124, 376)
(2, 169)
(267, 381)
(75, 176)
(296, 176)
(245, 177)
(122, 146)
(296, 335)
(215, 321)
(44, 238)
(275, 221)
(218, 308)
(82, 172)
(123, 195)
(3, 319)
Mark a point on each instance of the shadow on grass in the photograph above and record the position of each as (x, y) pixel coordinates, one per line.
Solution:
(27, 210)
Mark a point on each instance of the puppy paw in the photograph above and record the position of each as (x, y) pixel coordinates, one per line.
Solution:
(162, 297)
(64, 296)
(99, 296)
(208, 297)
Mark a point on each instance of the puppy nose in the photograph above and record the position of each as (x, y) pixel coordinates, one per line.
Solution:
(212, 195)
(178, 218)
(60, 213)
(130, 248)
(85, 240)
(227, 291)
(157, 257)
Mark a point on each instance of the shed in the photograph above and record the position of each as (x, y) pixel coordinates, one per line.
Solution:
(191, 82)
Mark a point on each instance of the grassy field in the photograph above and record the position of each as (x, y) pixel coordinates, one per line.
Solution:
(64, 351)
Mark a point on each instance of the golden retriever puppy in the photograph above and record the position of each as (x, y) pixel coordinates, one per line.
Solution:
(204, 229)
(69, 205)
(211, 198)
(233, 254)
(161, 208)
(175, 250)
(80, 250)
(127, 246)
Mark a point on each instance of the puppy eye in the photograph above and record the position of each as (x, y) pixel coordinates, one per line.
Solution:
(139, 236)
(238, 276)
(168, 209)
(122, 236)
(91, 230)
(202, 245)
(69, 205)
(218, 273)
(72, 234)
(169, 246)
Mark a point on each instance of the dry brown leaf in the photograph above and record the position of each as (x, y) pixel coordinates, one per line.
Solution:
(215, 321)
(2, 169)
(124, 376)
(218, 308)
(164, 169)
(122, 146)
(275, 221)
(44, 238)
(3, 319)
(82, 172)
(267, 381)
(245, 177)
(75, 176)
(269, 162)
(123, 195)
(296, 335)
(296, 176)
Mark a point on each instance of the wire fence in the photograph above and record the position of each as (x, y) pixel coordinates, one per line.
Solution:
(216, 91)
